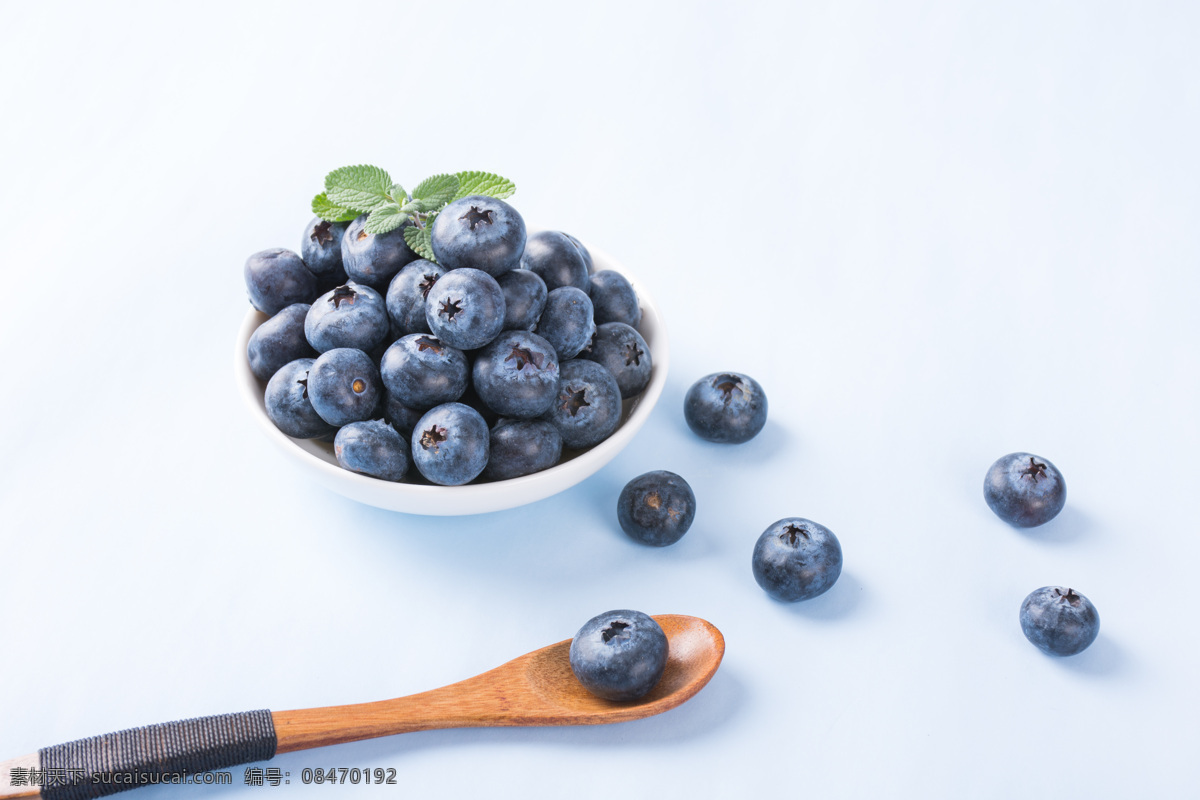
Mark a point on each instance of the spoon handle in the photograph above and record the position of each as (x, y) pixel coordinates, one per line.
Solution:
(115, 762)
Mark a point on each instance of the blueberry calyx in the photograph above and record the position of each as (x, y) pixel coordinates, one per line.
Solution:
(633, 354)
(475, 216)
(432, 437)
(728, 384)
(342, 294)
(523, 356)
(1071, 596)
(363, 234)
(321, 232)
(791, 535)
(304, 382)
(358, 386)
(1034, 470)
(426, 284)
(450, 308)
(616, 629)
(429, 343)
(574, 400)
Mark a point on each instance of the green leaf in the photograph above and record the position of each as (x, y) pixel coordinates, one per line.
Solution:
(385, 219)
(330, 212)
(436, 191)
(362, 188)
(397, 192)
(485, 183)
(418, 240)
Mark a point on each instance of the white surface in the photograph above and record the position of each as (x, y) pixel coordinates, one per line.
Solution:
(935, 232)
(318, 463)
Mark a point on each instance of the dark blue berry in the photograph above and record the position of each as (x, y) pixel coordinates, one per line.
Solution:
(400, 416)
(656, 508)
(554, 258)
(517, 375)
(421, 371)
(278, 341)
(587, 408)
(450, 444)
(524, 299)
(288, 403)
(726, 407)
(321, 249)
(1059, 621)
(566, 321)
(1024, 490)
(372, 447)
(796, 559)
(613, 299)
(352, 316)
(465, 308)
(479, 232)
(344, 386)
(374, 259)
(406, 296)
(277, 278)
(624, 353)
(583, 251)
(522, 447)
(619, 655)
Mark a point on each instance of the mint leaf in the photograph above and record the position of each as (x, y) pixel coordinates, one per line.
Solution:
(330, 212)
(418, 240)
(485, 183)
(398, 194)
(436, 191)
(385, 219)
(362, 188)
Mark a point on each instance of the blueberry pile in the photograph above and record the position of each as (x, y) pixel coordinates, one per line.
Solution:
(485, 360)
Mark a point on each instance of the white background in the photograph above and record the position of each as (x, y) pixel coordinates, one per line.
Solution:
(935, 233)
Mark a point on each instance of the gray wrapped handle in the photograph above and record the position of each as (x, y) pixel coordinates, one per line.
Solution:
(103, 765)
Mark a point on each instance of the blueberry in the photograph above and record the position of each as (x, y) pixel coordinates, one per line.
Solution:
(373, 259)
(277, 278)
(289, 405)
(522, 447)
(1059, 621)
(372, 447)
(321, 249)
(353, 316)
(624, 353)
(554, 258)
(450, 444)
(656, 508)
(524, 299)
(517, 375)
(422, 371)
(566, 321)
(400, 416)
(614, 299)
(619, 655)
(465, 308)
(726, 407)
(583, 251)
(406, 296)
(278, 341)
(796, 559)
(1024, 490)
(587, 408)
(479, 232)
(344, 386)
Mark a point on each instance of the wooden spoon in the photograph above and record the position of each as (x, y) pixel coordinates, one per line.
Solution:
(538, 688)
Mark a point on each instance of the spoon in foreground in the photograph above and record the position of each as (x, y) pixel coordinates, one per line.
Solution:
(537, 688)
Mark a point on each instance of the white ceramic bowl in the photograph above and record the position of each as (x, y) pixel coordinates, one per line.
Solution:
(316, 459)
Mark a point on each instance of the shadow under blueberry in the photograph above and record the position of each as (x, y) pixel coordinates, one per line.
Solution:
(845, 598)
(1071, 525)
(1105, 658)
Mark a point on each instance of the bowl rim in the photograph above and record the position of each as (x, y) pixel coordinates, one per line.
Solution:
(474, 498)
